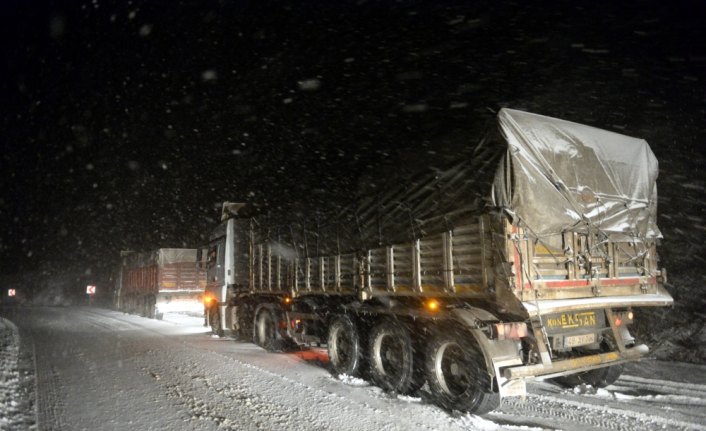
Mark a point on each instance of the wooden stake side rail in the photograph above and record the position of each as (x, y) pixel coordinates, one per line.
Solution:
(445, 264)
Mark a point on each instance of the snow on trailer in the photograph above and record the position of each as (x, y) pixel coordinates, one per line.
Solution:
(161, 281)
(525, 261)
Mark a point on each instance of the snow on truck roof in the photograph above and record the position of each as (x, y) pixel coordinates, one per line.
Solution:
(571, 177)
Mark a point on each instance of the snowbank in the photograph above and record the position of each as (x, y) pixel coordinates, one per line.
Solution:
(13, 406)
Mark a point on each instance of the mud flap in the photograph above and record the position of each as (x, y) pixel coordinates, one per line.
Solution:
(512, 388)
(507, 387)
(497, 354)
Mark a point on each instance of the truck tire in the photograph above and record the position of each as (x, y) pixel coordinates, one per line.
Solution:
(243, 318)
(214, 318)
(151, 307)
(394, 364)
(344, 348)
(456, 373)
(598, 378)
(265, 334)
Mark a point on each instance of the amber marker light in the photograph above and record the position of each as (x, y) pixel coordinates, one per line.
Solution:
(432, 305)
(630, 315)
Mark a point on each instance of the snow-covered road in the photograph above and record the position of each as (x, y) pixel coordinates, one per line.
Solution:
(100, 369)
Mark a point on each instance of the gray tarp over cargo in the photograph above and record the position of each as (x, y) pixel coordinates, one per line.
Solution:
(550, 175)
(565, 176)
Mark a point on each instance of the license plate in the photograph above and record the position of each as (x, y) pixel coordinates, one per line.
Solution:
(579, 340)
(564, 322)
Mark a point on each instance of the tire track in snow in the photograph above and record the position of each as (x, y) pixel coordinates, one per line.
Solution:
(78, 387)
(265, 399)
(261, 396)
(49, 400)
(224, 385)
(215, 400)
(50, 406)
(664, 387)
(683, 401)
(568, 411)
(17, 382)
(572, 412)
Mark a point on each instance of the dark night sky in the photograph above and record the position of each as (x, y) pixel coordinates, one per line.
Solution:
(125, 124)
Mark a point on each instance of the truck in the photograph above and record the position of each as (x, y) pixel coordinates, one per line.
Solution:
(159, 281)
(526, 261)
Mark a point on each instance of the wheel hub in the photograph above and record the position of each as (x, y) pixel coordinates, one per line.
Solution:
(452, 367)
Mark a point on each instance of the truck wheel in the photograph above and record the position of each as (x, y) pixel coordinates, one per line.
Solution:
(598, 378)
(266, 330)
(457, 376)
(344, 349)
(141, 307)
(243, 330)
(214, 318)
(393, 359)
(151, 304)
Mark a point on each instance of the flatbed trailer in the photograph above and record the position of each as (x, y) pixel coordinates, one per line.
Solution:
(525, 262)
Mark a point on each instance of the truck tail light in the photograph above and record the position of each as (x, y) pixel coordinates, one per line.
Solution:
(623, 317)
(509, 331)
